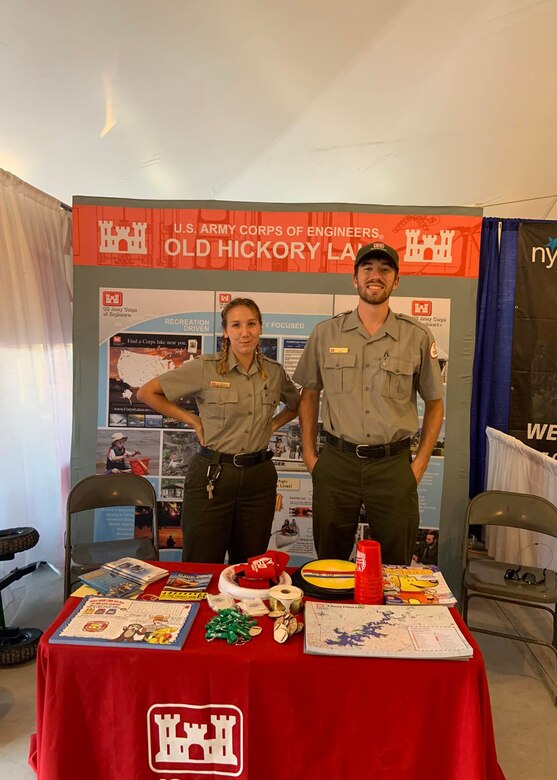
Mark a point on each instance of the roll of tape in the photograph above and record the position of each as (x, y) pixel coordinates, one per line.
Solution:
(286, 597)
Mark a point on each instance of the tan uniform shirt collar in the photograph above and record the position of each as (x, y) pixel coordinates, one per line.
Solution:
(233, 363)
(390, 326)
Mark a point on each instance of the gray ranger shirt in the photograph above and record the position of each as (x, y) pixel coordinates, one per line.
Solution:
(236, 408)
(370, 382)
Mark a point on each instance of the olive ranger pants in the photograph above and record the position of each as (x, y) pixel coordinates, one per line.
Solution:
(387, 486)
(237, 519)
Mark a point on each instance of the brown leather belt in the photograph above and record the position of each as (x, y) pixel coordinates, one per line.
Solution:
(240, 460)
(368, 450)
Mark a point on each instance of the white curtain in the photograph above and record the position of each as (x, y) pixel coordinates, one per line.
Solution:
(35, 367)
(512, 465)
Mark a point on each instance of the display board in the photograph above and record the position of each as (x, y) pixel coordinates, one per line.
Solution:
(533, 399)
(145, 284)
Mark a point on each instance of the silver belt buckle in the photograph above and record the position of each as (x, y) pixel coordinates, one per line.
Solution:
(363, 457)
(238, 465)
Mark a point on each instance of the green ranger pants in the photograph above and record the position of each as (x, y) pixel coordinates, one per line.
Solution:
(388, 489)
(237, 519)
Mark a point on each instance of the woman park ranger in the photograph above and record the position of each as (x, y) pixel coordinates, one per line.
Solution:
(230, 488)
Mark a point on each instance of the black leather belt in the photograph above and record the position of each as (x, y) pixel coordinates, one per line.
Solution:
(368, 450)
(240, 460)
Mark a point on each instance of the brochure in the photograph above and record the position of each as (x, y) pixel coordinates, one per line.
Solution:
(123, 578)
(185, 586)
(383, 631)
(416, 585)
(110, 583)
(139, 571)
(124, 623)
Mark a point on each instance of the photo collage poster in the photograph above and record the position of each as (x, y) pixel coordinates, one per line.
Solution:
(144, 333)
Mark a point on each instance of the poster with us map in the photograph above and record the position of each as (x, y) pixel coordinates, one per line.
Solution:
(144, 333)
(135, 358)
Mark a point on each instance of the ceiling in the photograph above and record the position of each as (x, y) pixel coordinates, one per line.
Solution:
(399, 102)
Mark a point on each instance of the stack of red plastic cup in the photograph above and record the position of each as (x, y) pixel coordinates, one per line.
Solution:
(368, 577)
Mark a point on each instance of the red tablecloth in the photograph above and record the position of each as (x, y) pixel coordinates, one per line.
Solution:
(113, 713)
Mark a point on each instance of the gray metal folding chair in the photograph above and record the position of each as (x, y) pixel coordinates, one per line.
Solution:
(106, 490)
(527, 586)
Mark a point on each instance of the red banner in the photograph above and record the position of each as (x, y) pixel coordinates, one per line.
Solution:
(288, 241)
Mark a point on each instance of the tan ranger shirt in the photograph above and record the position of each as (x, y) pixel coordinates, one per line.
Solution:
(370, 382)
(236, 408)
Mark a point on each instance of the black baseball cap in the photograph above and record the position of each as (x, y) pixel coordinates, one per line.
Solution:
(380, 250)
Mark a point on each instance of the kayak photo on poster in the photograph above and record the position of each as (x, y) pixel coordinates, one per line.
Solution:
(292, 530)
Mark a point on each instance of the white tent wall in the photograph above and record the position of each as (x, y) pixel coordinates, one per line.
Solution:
(422, 102)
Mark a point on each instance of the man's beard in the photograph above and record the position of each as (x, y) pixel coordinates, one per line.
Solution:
(374, 297)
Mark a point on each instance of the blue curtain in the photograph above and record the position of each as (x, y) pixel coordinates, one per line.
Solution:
(494, 334)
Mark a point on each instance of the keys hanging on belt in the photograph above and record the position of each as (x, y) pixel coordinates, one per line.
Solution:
(213, 473)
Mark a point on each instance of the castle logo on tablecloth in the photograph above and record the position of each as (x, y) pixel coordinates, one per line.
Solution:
(430, 249)
(192, 738)
(122, 239)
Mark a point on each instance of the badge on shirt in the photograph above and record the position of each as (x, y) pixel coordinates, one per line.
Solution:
(338, 350)
(433, 351)
(220, 384)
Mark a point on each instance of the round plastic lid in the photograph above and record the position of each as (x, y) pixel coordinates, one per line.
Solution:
(326, 578)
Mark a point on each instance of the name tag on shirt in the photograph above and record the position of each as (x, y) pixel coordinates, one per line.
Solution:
(220, 384)
(338, 350)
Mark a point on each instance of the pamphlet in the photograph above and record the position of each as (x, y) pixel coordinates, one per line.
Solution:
(124, 623)
(123, 578)
(416, 585)
(110, 583)
(139, 571)
(185, 586)
(383, 631)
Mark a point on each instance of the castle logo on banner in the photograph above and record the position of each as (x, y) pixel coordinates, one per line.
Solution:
(124, 240)
(187, 738)
(181, 235)
(421, 308)
(427, 250)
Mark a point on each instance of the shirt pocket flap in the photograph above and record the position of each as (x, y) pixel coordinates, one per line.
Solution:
(397, 365)
(220, 395)
(340, 360)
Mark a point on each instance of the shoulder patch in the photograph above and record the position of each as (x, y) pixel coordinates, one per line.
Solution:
(433, 350)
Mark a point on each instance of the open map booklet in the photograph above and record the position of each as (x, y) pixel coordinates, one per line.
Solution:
(123, 578)
(383, 631)
(98, 620)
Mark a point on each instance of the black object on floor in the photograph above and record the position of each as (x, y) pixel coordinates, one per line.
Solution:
(17, 645)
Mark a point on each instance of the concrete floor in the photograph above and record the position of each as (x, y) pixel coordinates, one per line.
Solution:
(522, 698)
